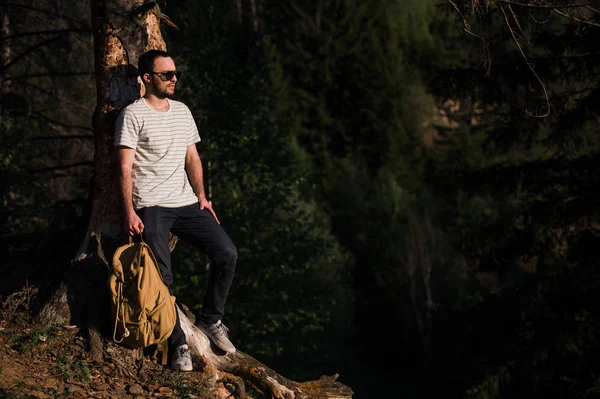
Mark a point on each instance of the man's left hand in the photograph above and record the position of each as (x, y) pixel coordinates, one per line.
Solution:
(204, 203)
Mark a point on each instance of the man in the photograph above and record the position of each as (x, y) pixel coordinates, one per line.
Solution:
(162, 190)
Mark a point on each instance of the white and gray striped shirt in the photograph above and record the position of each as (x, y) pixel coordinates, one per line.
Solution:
(160, 140)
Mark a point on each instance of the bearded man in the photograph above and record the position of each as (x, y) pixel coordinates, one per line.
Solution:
(160, 180)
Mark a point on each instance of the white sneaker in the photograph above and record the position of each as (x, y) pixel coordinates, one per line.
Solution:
(218, 334)
(182, 359)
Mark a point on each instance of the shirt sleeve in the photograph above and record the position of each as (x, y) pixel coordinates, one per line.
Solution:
(193, 135)
(127, 130)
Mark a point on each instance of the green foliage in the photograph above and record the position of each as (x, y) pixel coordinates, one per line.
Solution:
(26, 343)
(384, 123)
(62, 366)
(24, 190)
(36, 226)
(348, 83)
(186, 389)
(512, 188)
(538, 342)
(66, 368)
(14, 171)
(505, 90)
(290, 299)
(343, 80)
(491, 386)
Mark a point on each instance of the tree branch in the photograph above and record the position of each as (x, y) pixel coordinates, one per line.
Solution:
(574, 18)
(62, 167)
(54, 122)
(48, 74)
(467, 29)
(593, 9)
(534, 5)
(36, 87)
(27, 51)
(45, 32)
(65, 137)
(518, 24)
(40, 10)
(512, 33)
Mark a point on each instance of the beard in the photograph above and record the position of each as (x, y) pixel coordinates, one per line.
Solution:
(164, 92)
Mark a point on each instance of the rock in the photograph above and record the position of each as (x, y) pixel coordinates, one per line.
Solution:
(118, 393)
(135, 389)
(153, 387)
(30, 382)
(73, 388)
(165, 391)
(39, 395)
(99, 386)
(50, 383)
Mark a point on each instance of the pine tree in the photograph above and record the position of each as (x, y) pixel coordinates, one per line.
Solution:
(290, 303)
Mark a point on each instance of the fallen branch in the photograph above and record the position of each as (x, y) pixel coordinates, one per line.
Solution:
(254, 372)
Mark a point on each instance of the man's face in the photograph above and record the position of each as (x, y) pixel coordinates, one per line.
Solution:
(162, 67)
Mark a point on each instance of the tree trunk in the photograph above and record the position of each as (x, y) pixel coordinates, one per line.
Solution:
(5, 53)
(123, 30)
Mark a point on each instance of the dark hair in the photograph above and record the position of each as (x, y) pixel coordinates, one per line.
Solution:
(146, 60)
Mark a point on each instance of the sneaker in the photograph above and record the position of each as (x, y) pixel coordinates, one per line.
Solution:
(218, 335)
(182, 359)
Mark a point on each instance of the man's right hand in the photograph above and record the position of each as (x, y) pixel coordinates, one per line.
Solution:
(133, 224)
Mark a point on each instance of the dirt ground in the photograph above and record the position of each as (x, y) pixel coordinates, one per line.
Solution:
(54, 363)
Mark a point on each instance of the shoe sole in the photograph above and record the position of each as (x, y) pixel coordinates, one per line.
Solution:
(223, 349)
(182, 368)
(220, 346)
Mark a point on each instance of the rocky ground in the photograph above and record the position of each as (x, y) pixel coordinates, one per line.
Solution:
(54, 363)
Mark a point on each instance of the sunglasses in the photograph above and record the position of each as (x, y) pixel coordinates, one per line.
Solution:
(167, 76)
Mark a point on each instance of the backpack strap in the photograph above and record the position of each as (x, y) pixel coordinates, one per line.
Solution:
(163, 348)
(120, 307)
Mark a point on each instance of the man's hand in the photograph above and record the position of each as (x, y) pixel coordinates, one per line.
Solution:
(204, 203)
(133, 224)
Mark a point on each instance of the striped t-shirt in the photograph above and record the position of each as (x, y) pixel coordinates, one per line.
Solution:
(160, 140)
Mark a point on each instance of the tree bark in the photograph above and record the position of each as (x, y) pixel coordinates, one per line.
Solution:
(123, 30)
(5, 49)
(248, 369)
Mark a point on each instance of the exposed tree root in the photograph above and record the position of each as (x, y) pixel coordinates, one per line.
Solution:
(256, 373)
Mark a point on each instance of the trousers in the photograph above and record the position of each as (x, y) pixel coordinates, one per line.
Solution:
(199, 228)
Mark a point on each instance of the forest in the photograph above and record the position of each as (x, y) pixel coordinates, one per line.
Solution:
(409, 183)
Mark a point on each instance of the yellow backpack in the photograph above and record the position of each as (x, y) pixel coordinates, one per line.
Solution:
(142, 308)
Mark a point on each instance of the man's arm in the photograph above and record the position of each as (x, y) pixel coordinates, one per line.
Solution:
(132, 223)
(193, 167)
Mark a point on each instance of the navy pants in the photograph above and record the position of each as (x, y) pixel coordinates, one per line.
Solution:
(200, 228)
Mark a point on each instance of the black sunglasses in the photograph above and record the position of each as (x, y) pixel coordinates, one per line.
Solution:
(166, 76)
